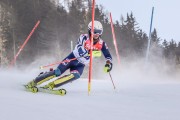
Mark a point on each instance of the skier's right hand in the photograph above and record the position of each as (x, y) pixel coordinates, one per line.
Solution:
(87, 45)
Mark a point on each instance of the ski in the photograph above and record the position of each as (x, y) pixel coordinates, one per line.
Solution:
(61, 92)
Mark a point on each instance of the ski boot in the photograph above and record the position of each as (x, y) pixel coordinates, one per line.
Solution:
(31, 86)
(49, 86)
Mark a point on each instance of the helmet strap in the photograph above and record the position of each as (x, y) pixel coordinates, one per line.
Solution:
(95, 40)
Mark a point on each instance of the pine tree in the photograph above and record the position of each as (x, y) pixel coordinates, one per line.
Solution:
(165, 46)
(178, 54)
(5, 35)
(154, 38)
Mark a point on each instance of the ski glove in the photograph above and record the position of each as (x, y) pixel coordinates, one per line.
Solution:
(108, 66)
(87, 45)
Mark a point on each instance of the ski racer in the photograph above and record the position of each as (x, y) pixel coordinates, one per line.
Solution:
(76, 66)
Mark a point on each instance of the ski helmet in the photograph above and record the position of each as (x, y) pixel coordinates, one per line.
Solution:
(98, 28)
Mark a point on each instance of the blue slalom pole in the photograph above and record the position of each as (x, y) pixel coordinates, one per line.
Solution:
(149, 40)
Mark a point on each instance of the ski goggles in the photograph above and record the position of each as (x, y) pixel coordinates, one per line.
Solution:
(99, 32)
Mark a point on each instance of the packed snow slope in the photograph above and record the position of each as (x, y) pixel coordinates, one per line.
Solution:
(138, 96)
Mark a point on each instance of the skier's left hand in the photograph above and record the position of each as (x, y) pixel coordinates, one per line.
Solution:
(108, 66)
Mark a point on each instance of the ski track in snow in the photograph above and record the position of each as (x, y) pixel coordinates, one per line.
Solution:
(132, 100)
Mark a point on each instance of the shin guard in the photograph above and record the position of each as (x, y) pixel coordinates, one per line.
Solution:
(47, 76)
(44, 77)
(66, 79)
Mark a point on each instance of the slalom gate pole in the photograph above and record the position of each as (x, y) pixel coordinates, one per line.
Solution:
(149, 40)
(90, 64)
(21, 48)
(112, 80)
(114, 38)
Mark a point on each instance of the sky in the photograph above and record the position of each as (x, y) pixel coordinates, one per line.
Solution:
(166, 17)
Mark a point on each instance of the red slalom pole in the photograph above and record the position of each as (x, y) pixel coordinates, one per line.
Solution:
(21, 48)
(114, 38)
(90, 64)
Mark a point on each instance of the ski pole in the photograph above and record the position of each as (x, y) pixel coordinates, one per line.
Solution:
(95, 54)
(68, 60)
(112, 80)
